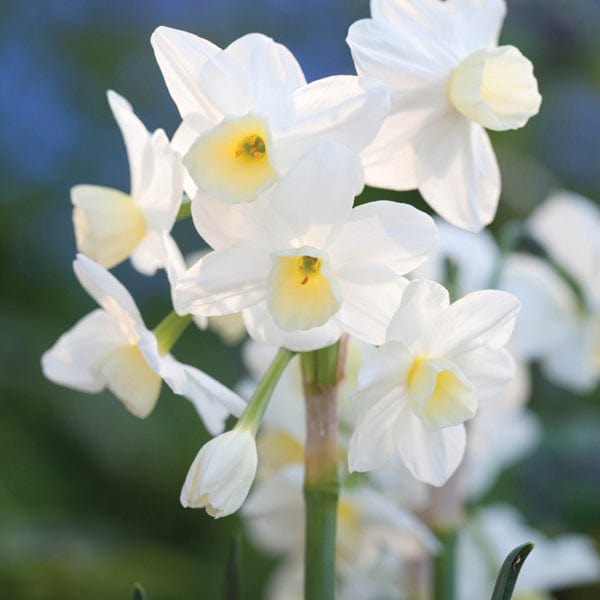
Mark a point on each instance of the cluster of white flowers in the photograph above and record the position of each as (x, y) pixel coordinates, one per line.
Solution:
(270, 166)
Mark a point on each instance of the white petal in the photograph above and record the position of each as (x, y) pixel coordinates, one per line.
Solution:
(262, 328)
(490, 371)
(430, 455)
(346, 109)
(160, 195)
(136, 136)
(108, 224)
(548, 304)
(272, 69)
(129, 377)
(422, 306)
(479, 22)
(374, 439)
(481, 318)
(72, 361)
(457, 172)
(181, 56)
(567, 225)
(317, 194)
(149, 254)
(224, 281)
(222, 225)
(212, 400)
(367, 308)
(394, 234)
(109, 293)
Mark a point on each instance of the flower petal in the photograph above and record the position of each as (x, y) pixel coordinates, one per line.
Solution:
(72, 361)
(484, 318)
(423, 303)
(430, 455)
(224, 281)
(212, 400)
(135, 135)
(394, 234)
(317, 194)
(457, 172)
(131, 379)
(373, 442)
(181, 56)
(109, 293)
(346, 109)
(262, 328)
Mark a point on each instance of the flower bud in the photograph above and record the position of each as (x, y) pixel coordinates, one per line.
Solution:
(221, 474)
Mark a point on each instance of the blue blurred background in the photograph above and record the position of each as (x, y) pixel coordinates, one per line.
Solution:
(88, 493)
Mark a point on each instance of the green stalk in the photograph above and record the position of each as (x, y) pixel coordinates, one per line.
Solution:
(167, 332)
(321, 373)
(185, 210)
(257, 406)
(444, 568)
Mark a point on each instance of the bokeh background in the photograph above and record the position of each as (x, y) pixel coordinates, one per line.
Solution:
(88, 493)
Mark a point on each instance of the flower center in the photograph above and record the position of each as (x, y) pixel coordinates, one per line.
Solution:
(440, 395)
(232, 160)
(496, 88)
(252, 148)
(301, 291)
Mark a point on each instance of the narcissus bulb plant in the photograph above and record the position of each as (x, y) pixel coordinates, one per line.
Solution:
(449, 81)
(419, 388)
(111, 225)
(248, 113)
(112, 348)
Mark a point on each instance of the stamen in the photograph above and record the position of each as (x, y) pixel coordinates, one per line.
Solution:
(253, 147)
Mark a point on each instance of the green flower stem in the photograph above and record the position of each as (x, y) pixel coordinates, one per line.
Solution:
(169, 330)
(444, 569)
(321, 372)
(257, 406)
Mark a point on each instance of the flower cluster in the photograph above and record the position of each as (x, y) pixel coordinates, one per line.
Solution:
(269, 168)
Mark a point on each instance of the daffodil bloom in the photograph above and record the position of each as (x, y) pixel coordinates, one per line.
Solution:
(567, 227)
(248, 113)
(449, 80)
(111, 225)
(301, 263)
(419, 388)
(222, 473)
(112, 348)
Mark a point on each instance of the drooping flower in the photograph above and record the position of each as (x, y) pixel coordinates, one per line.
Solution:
(111, 225)
(222, 473)
(449, 80)
(438, 361)
(248, 113)
(112, 348)
(301, 263)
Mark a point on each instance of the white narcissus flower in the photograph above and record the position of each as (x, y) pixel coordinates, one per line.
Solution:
(449, 80)
(222, 473)
(567, 227)
(111, 225)
(112, 348)
(438, 361)
(248, 113)
(301, 263)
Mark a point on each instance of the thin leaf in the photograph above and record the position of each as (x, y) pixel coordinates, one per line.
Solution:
(509, 572)
(138, 592)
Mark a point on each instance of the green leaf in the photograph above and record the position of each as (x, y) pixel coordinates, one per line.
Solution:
(509, 572)
(138, 592)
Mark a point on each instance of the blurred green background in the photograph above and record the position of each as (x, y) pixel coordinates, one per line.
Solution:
(89, 495)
